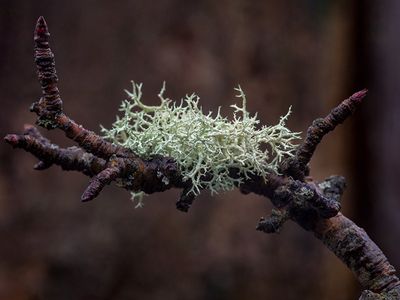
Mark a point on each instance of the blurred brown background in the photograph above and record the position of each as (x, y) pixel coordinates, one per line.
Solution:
(309, 54)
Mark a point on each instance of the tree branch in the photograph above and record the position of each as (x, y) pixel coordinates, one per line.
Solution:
(72, 158)
(297, 167)
(49, 107)
(314, 206)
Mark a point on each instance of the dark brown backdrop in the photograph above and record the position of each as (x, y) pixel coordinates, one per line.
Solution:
(308, 54)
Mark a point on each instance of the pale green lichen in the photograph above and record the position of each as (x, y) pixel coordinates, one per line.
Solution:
(138, 197)
(202, 143)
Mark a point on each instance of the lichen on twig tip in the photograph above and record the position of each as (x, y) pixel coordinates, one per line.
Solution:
(205, 146)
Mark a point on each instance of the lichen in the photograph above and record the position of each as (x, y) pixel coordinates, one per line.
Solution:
(202, 143)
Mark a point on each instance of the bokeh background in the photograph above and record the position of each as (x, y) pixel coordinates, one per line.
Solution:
(310, 54)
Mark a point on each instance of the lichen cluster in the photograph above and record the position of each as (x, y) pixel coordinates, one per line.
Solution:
(202, 143)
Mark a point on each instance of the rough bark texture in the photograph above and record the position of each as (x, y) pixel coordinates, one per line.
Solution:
(49, 107)
(314, 206)
(352, 245)
(298, 166)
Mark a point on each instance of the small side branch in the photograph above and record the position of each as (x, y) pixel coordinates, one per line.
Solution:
(186, 200)
(274, 222)
(98, 182)
(72, 158)
(51, 103)
(297, 167)
(49, 107)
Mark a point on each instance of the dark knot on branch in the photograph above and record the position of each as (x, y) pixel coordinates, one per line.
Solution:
(305, 203)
